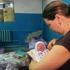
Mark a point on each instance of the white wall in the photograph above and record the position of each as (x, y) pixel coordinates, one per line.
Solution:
(44, 3)
(48, 1)
(28, 6)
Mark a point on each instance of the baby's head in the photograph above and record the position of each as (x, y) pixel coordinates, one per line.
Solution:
(40, 46)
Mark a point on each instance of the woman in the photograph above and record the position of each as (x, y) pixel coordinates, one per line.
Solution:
(57, 16)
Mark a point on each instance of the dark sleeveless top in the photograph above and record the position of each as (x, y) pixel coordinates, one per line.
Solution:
(65, 41)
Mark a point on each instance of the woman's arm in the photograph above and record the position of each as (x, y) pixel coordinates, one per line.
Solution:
(55, 58)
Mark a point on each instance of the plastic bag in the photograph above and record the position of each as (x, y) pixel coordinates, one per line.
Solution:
(11, 66)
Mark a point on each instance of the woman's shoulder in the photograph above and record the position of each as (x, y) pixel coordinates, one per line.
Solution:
(65, 41)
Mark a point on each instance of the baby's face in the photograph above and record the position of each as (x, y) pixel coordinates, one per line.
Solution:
(41, 47)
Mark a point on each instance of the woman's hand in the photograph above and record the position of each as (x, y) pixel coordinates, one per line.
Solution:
(32, 65)
(51, 44)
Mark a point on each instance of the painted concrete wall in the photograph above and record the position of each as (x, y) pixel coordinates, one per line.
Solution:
(28, 19)
(28, 6)
(28, 15)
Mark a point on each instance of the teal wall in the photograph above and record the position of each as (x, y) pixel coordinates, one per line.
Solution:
(23, 25)
(26, 23)
(48, 34)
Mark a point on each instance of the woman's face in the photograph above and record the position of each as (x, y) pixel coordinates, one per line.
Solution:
(55, 25)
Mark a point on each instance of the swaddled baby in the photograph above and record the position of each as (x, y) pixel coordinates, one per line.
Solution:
(39, 51)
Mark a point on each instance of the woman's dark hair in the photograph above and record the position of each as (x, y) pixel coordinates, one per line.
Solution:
(56, 7)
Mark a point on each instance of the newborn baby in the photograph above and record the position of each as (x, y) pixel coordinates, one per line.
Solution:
(39, 51)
